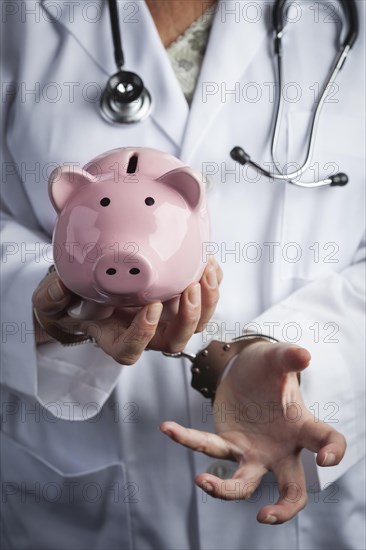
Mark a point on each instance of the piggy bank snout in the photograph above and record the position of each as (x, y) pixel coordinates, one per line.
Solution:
(123, 274)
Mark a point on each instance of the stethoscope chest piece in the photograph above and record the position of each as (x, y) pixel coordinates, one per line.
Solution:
(125, 99)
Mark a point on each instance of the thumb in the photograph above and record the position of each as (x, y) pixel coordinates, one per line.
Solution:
(51, 297)
(284, 358)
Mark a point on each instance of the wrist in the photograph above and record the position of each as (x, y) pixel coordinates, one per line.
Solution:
(51, 331)
(41, 336)
(215, 361)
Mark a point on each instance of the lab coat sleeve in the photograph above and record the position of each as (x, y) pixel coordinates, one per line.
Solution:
(327, 317)
(51, 373)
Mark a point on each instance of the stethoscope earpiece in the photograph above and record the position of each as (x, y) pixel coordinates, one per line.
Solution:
(125, 99)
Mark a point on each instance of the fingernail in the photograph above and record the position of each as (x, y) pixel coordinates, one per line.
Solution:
(153, 313)
(211, 278)
(207, 487)
(194, 295)
(329, 459)
(270, 519)
(55, 292)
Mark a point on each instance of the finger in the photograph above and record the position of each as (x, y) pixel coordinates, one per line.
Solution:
(284, 358)
(219, 273)
(321, 438)
(184, 324)
(204, 442)
(126, 344)
(242, 485)
(293, 496)
(209, 295)
(51, 297)
(215, 264)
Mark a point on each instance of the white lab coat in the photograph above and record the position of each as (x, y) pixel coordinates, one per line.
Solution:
(76, 480)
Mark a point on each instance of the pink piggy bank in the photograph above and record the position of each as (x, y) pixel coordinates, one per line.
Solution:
(130, 227)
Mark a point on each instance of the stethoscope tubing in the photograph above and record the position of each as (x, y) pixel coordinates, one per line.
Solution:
(238, 154)
(332, 75)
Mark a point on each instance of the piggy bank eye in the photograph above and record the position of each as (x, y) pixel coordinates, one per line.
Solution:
(149, 201)
(105, 202)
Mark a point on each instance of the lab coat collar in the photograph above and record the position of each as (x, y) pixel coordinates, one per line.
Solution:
(246, 29)
(144, 54)
(224, 63)
(81, 21)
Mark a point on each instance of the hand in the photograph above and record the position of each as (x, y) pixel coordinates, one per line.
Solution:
(127, 333)
(268, 431)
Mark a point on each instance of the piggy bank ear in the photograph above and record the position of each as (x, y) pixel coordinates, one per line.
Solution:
(64, 182)
(187, 182)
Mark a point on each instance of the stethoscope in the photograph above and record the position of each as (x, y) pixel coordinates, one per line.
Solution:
(125, 99)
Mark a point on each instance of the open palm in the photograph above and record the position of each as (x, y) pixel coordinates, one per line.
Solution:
(262, 423)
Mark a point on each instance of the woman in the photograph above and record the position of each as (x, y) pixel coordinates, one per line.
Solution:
(84, 463)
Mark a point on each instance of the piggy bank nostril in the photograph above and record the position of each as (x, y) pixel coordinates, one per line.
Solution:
(111, 271)
(134, 271)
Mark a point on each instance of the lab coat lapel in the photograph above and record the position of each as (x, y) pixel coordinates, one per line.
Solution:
(145, 54)
(224, 64)
(143, 49)
(85, 22)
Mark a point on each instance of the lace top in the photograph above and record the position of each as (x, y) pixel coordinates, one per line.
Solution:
(186, 53)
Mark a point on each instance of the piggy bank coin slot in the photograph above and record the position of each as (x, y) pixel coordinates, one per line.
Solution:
(132, 165)
(149, 201)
